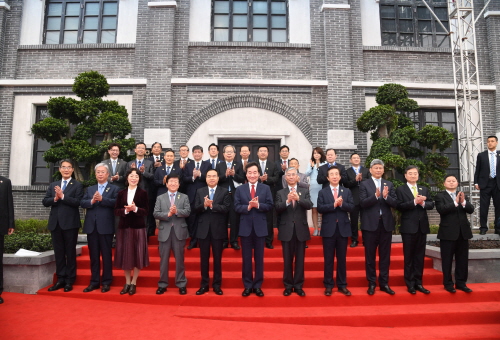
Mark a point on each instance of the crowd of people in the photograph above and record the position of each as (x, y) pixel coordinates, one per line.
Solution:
(219, 203)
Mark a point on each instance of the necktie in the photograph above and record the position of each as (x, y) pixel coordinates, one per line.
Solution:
(335, 193)
(493, 169)
(168, 170)
(414, 190)
(197, 165)
(356, 170)
(284, 162)
(293, 201)
(380, 188)
(453, 196)
(213, 163)
(114, 167)
(211, 194)
(101, 189)
(252, 192)
(244, 165)
(262, 167)
(172, 199)
(229, 167)
(182, 163)
(139, 163)
(64, 185)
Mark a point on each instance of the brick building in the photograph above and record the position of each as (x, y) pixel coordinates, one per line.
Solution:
(294, 72)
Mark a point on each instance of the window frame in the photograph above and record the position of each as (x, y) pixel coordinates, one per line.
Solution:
(250, 15)
(39, 153)
(81, 21)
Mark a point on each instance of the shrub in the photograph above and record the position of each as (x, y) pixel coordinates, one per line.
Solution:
(29, 240)
(31, 225)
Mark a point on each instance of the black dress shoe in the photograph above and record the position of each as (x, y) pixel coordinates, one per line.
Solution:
(287, 292)
(269, 245)
(218, 291)
(345, 291)
(202, 291)
(133, 289)
(412, 290)
(464, 289)
(68, 288)
(258, 292)
(421, 289)
(225, 244)
(161, 290)
(246, 292)
(354, 244)
(183, 291)
(191, 245)
(125, 289)
(450, 289)
(388, 290)
(299, 292)
(1, 300)
(235, 246)
(57, 286)
(90, 288)
(328, 291)
(482, 232)
(371, 290)
(105, 288)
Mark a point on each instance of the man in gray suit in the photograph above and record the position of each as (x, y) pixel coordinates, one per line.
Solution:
(116, 167)
(171, 209)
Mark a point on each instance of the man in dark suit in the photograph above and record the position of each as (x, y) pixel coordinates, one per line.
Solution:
(116, 167)
(355, 175)
(284, 163)
(487, 181)
(181, 163)
(99, 225)
(376, 197)
(244, 154)
(413, 202)
(334, 202)
(161, 173)
(146, 167)
(212, 205)
(268, 175)
(331, 157)
(230, 177)
(454, 234)
(194, 178)
(6, 220)
(292, 203)
(252, 201)
(64, 221)
(213, 151)
(156, 155)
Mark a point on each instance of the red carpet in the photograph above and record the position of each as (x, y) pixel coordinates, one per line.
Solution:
(79, 315)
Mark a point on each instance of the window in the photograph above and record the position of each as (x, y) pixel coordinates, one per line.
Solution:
(80, 22)
(253, 20)
(410, 23)
(41, 173)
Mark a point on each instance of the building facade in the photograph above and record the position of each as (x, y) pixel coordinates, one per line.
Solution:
(294, 72)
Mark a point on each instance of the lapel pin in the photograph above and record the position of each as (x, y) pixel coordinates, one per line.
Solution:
(178, 196)
(1, 181)
(300, 194)
(385, 183)
(341, 190)
(107, 189)
(419, 188)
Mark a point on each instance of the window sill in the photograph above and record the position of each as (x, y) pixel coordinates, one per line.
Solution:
(74, 46)
(407, 49)
(247, 44)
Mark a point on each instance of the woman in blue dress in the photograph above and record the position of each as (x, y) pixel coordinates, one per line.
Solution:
(318, 158)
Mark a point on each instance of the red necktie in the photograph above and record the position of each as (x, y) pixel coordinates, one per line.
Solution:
(252, 192)
(335, 194)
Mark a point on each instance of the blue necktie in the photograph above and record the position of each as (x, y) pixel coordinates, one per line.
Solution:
(114, 168)
(168, 170)
(213, 163)
(211, 194)
(197, 165)
(492, 165)
(229, 167)
(64, 185)
(139, 163)
(101, 189)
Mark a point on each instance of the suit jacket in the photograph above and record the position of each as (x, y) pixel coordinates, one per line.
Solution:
(121, 169)
(371, 206)
(177, 221)
(65, 212)
(100, 215)
(272, 170)
(241, 171)
(135, 220)
(177, 164)
(413, 217)
(352, 184)
(293, 218)
(161, 172)
(217, 162)
(333, 216)
(199, 182)
(228, 182)
(323, 172)
(212, 219)
(6, 206)
(162, 161)
(148, 174)
(482, 173)
(255, 218)
(454, 219)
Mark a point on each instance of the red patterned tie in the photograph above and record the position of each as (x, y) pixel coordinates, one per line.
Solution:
(252, 192)
(335, 194)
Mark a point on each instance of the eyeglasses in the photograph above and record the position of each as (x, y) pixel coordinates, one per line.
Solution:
(66, 167)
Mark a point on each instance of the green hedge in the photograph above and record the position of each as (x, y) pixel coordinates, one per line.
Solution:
(29, 240)
(31, 225)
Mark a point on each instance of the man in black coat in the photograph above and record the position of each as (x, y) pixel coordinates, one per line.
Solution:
(413, 202)
(331, 159)
(63, 197)
(292, 203)
(6, 220)
(454, 234)
(355, 175)
(181, 163)
(487, 181)
(168, 167)
(99, 200)
(212, 205)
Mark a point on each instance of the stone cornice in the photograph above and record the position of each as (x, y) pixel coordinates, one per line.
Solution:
(167, 4)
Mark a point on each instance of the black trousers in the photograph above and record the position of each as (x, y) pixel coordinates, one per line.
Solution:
(382, 240)
(64, 243)
(100, 247)
(335, 246)
(414, 255)
(252, 244)
(2, 249)
(205, 259)
(151, 221)
(459, 249)
(270, 226)
(192, 224)
(294, 252)
(485, 195)
(354, 216)
(233, 218)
